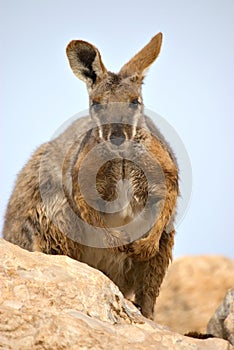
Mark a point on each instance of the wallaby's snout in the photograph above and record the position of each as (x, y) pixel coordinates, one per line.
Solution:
(117, 136)
(115, 133)
(116, 122)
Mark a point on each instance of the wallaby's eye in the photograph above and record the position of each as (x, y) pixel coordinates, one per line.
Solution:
(135, 102)
(96, 106)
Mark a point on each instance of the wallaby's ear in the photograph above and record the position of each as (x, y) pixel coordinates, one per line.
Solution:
(143, 59)
(85, 61)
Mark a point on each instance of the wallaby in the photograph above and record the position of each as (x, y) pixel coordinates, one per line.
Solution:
(104, 191)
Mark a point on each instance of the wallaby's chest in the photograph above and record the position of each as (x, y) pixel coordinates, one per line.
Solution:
(123, 189)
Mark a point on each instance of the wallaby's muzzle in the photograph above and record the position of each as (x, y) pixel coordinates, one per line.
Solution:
(117, 122)
(118, 135)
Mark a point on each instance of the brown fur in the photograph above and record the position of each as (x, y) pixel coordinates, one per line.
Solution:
(42, 214)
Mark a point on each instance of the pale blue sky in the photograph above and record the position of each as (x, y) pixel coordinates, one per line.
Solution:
(191, 86)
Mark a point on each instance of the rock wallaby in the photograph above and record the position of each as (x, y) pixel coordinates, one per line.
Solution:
(104, 191)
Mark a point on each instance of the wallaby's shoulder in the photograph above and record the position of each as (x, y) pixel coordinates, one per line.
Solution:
(156, 132)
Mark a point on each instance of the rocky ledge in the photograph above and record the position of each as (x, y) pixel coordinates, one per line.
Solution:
(54, 302)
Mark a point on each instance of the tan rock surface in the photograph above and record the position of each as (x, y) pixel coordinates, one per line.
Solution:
(192, 290)
(222, 322)
(54, 302)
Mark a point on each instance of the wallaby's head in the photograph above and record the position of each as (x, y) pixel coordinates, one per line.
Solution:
(116, 103)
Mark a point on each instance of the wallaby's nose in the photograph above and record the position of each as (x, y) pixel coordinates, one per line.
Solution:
(117, 136)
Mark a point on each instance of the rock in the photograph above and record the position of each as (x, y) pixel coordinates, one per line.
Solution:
(191, 291)
(222, 322)
(56, 303)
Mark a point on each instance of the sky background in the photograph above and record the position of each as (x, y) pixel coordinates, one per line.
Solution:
(191, 85)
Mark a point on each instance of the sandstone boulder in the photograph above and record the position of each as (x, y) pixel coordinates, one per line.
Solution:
(191, 291)
(54, 302)
(222, 322)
